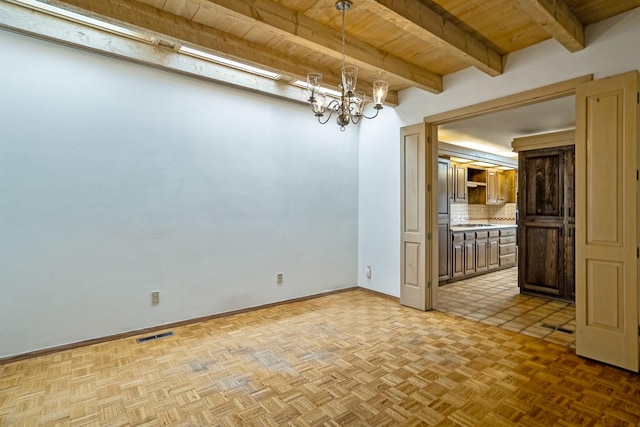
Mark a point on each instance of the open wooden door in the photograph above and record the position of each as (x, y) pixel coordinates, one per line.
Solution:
(415, 251)
(607, 220)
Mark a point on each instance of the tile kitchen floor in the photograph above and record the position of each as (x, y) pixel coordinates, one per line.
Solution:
(495, 299)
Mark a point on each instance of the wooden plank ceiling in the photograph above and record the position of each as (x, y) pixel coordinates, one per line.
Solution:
(406, 42)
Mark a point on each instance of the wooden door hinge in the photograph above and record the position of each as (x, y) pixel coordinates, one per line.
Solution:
(429, 236)
(428, 187)
(429, 287)
(429, 139)
(638, 252)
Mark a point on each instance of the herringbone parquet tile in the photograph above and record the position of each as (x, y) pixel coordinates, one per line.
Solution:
(348, 359)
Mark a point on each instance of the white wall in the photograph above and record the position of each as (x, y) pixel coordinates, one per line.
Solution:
(118, 179)
(612, 48)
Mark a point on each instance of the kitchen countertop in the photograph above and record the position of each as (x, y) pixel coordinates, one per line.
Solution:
(477, 227)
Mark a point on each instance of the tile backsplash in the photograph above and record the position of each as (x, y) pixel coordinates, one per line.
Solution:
(462, 213)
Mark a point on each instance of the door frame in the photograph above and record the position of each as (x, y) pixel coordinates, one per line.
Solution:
(431, 123)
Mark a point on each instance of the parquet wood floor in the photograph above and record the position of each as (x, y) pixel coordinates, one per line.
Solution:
(347, 359)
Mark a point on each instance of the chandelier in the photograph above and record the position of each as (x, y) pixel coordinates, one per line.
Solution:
(350, 107)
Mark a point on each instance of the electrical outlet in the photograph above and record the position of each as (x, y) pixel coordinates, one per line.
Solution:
(280, 277)
(155, 297)
(367, 271)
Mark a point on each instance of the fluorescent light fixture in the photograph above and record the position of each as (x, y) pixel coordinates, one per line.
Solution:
(330, 92)
(228, 62)
(483, 164)
(460, 160)
(505, 168)
(82, 19)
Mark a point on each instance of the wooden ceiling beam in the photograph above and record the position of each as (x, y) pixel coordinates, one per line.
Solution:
(302, 30)
(183, 31)
(558, 20)
(424, 23)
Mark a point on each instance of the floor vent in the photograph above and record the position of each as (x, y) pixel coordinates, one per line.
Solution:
(557, 328)
(154, 337)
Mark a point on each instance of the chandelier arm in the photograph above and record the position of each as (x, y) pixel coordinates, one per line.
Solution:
(374, 116)
(333, 105)
(328, 116)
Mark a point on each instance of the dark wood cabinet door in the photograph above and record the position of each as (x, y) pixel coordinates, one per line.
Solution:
(460, 183)
(457, 256)
(493, 255)
(481, 255)
(542, 252)
(443, 187)
(444, 244)
(541, 183)
(469, 257)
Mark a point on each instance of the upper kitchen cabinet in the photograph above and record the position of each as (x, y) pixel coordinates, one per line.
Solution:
(459, 187)
(501, 186)
(479, 178)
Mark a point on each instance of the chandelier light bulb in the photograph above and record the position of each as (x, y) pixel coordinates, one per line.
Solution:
(380, 89)
(349, 79)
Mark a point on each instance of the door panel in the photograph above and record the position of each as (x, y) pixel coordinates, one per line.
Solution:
(414, 252)
(542, 250)
(542, 184)
(607, 220)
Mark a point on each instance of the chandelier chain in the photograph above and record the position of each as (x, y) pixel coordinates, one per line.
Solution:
(344, 11)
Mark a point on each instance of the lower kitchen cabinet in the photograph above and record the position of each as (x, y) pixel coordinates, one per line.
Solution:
(457, 255)
(469, 253)
(479, 252)
(507, 247)
(482, 264)
(493, 249)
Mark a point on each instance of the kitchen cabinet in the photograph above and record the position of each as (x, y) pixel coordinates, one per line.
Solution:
(459, 187)
(457, 255)
(482, 251)
(493, 193)
(469, 253)
(493, 249)
(444, 197)
(547, 222)
(507, 248)
(476, 186)
(482, 240)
